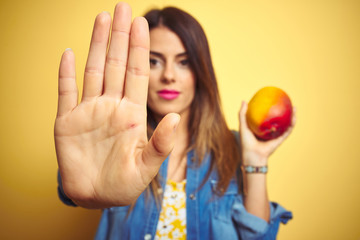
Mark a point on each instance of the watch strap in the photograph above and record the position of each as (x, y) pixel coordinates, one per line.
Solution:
(255, 169)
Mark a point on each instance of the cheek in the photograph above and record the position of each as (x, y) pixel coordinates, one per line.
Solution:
(153, 80)
(190, 84)
(151, 88)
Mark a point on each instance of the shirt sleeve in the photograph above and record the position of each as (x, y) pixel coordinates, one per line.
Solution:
(61, 193)
(253, 227)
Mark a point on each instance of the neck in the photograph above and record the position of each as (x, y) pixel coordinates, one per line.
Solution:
(178, 159)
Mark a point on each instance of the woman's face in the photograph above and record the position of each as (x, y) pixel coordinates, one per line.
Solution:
(172, 82)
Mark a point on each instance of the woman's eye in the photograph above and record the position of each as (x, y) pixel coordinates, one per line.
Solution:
(184, 62)
(153, 62)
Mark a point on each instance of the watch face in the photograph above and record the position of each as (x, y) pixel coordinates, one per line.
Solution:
(249, 169)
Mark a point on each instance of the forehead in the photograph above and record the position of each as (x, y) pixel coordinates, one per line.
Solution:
(165, 41)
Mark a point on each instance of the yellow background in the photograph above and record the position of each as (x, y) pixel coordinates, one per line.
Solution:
(311, 49)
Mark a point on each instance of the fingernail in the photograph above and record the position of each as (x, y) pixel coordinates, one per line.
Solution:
(177, 124)
(68, 49)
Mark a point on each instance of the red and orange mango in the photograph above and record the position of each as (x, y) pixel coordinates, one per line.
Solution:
(269, 113)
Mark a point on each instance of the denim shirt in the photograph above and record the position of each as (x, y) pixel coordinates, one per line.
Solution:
(208, 215)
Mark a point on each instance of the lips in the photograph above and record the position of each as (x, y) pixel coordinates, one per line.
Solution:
(168, 94)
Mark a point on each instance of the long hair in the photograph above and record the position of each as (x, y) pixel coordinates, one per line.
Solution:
(208, 130)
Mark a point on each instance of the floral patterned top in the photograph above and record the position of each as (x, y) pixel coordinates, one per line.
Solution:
(172, 220)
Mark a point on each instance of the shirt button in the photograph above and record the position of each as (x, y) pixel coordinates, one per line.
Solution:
(147, 236)
(192, 197)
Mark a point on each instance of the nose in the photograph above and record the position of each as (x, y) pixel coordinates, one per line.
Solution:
(168, 74)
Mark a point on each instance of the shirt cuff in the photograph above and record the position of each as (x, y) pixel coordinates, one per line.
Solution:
(253, 227)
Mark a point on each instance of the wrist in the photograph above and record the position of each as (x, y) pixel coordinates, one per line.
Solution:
(254, 179)
(254, 160)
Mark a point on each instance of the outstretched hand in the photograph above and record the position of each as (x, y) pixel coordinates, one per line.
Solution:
(104, 156)
(254, 151)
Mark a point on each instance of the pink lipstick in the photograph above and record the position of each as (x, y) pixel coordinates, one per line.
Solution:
(168, 94)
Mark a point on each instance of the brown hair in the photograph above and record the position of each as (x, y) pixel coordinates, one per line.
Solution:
(208, 129)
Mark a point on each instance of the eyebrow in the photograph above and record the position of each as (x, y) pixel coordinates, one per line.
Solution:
(160, 55)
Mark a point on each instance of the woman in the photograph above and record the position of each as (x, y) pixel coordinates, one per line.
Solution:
(186, 181)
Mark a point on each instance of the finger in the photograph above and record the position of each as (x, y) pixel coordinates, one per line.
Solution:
(116, 59)
(279, 140)
(68, 92)
(137, 72)
(242, 117)
(94, 70)
(291, 127)
(161, 143)
(293, 119)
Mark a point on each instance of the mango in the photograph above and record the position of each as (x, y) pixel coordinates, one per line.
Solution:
(269, 113)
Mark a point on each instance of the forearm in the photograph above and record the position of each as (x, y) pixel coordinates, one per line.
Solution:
(255, 153)
(256, 199)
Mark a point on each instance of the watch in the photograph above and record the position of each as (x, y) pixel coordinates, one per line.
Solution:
(255, 169)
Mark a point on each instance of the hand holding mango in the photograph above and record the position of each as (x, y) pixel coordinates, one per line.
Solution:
(269, 113)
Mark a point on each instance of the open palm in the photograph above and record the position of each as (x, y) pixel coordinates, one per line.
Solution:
(103, 153)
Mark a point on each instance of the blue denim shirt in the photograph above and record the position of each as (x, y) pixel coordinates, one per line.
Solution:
(208, 215)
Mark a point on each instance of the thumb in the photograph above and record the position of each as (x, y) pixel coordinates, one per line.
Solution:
(162, 141)
(242, 117)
